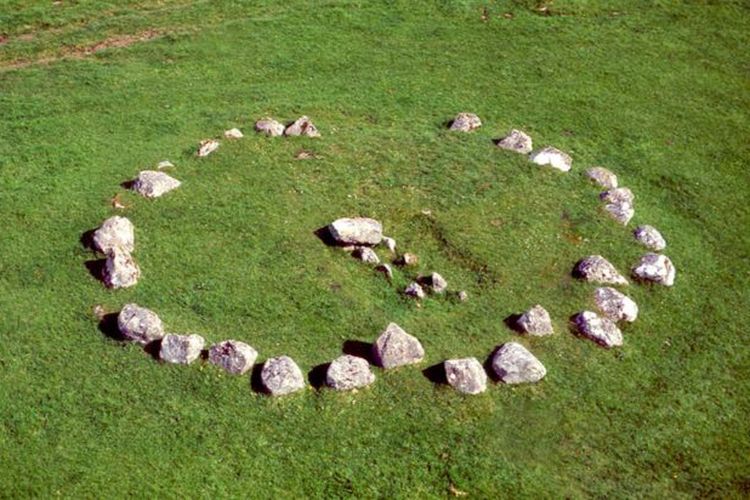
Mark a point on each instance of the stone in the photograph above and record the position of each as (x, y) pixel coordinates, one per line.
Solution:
(394, 347)
(207, 146)
(366, 254)
(552, 157)
(164, 164)
(650, 237)
(233, 356)
(618, 195)
(389, 243)
(386, 270)
(466, 375)
(407, 259)
(465, 122)
(120, 269)
(415, 290)
(153, 184)
(433, 282)
(269, 127)
(356, 231)
(597, 269)
(621, 212)
(181, 349)
(514, 364)
(281, 376)
(536, 322)
(463, 296)
(233, 133)
(139, 324)
(655, 268)
(115, 232)
(603, 331)
(302, 126)
(349, 372)
(603, 177)
(615, 305)
(517, 141)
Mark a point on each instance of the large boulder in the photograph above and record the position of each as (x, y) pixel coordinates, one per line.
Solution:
(552, 157)
(120, 269)
(270, 127)
(153, 184)
(281, 376)
(139, 324)
(349, 372)
(466, 375)
(603, 177)
(650, 237)
(181, 349)
(302, 126)
(465, 122)
(597, 269)
(615, 305)
(394, 347)
(516, 141)
(514, 364)
(655, 268)
(356, 231)
(233, 356)
(536, 322)
(115, 232)
(603, 331)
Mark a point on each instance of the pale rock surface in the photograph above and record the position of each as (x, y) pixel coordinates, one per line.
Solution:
(233, 133)
(603, 177)
(153, 184)
(466, 375)
(650, 237)
(181, 349)
(516, 141)
(463, 296)
(233, 356)
(394, 347)
(415, 290)
(269, 127)
(366, 254)
(139, 324)
(356, 231)
(465, 122)
(597, 269)
(389, 243)
(514, 364)
(164, 164)
(407, 259)
(621, 212)
(552, 157)
(536, 321)
(281, 376)
(120, 269)
(115, 232)
(618, 195)
(601, 330)
(615, 305)
(207, 146)
(434, 282)
(302, 126)
(349, 372)
(655, 268)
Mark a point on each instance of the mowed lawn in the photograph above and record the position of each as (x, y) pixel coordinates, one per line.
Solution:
(93, 92)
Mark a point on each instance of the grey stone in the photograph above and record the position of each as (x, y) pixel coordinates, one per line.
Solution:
(115, 232)
(356, 231)
(655, 268)
(153, 184)
(434, 282)
(349, 372)
(650, 237)
(463, 296)
(514, 364)
(601, 330)
(386, 270)
(615, 305)
(207, 146)
(139, 324)
(517, 141)
(552, 157)
(618, 195)
(233, 356)
(466, 122)
(466, 375)
(181, 349)
(407, 259)
(536, 322)
(415, 290)
(281, 376)
(120, 270)
(597, 269)
(394, 347)
(389, 243)
(303, 126)
(603, 177)
(269, 127)
(621, 212)
(233, 133)
(366, 254)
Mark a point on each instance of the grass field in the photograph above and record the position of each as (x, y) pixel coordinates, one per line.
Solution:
(92, 92)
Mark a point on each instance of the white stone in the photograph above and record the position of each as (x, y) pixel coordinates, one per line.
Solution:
(153, 184)
(514, 364)
(536, 321)
(233, 356)
(233, 133)
(466, 375)
(516, 141)
(389, 243)
(207, 146)
(407, 259)
(415, 290)
(463, 296)
(349, 372)
(139, 324)
(603, 177)
(394, 347)
(269, 127)
(356, 231)
(615, 305)
(466, 122)
(655, 268)
(120, 269)
(597, 269)
(302, 126)
(164, 164)
(115, 232)
(366, 254)
(281, 376)
(181, 349)
(603, 331)
(552, 157)
(650, 237)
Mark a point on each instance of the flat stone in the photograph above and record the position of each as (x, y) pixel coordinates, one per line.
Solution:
(552, 157)
(281, 376)
(536, 322)
(389, 243)
(466, 375)
(356, 231)
(233, 356)
(394, 347)
(597, 269)
(465, 122)
(621, 212)
(415, 290)
(385, 270)
(366, 254)
(233, 133)
(615, 305)
(516, 141)
(618, 195)
(181, 349)
(164, 164)
(120, 269)
(407, 259)
(434, 282)
(302, 126)
(650, 237)
(349, 372)
(115, 232)
(269, 127)
(655, 268)
(153, 184)
(514, 364)
(602, 177)
(601, 330)
(139, 324)
(207, 146)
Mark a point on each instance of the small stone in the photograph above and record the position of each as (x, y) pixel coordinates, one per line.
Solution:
(434, 282)
(356, 231)
(615, 305)
(463, 296)
(303, 126)
(139, 324)
(465, 122)
(120, 270)
(466, 375)
(303, 154)
(621, 212)
(394, 347)
(349, 372)
(597, 269)
(366, 254)
(208, 146)
(153, 184)
(655, 268)
(603, 177)
(281, 376)
(514, 364)
(233, 356)
(407, 259)
(389, 243)
(552, 157)
(536, 322)
(115, 232)
(415, 290)
(386, 270)
(650, 237)
(517, 141)
(165, 164)
(181, 349)
(233, 133)
(618, 196)
(269, 127)
(603, 331)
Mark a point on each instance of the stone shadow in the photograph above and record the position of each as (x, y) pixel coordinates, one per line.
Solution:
(436, 374)
(87, 240)
(108, 326)
(324, 235)
(488, 365)
(360, 349)
(512, 322)
(317, 376)
(256, 384)
(153, 349)
(95, 267)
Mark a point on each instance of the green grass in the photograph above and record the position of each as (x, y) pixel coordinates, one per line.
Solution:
(656, 91)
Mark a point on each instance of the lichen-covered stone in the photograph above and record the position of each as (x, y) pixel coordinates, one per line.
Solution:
(139, 324)
(597, 269)
(208, 146)
(281, 376)
(120, 269)
(153, 184)
(601, 330)
(615, 305)
(302, 126)
(349, 372)
(536, 321)
(466, 375)
(514, 364)
(233, 356)
(650, 237)
(517, 141)
(603, 177)
(270, 127)
(552, 157)
(655, 268)
(394, 347)
(356, 231)
(115, 232)
(465, 122)
(181, 349)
